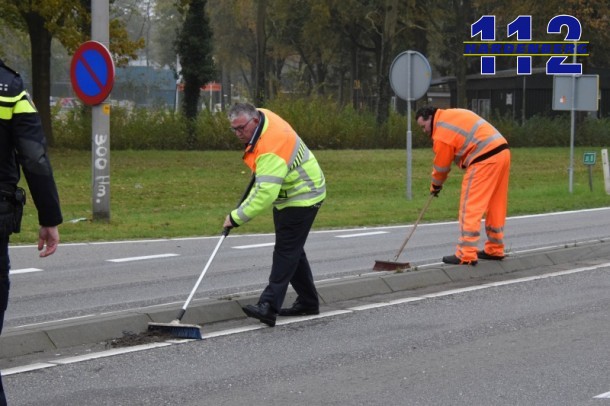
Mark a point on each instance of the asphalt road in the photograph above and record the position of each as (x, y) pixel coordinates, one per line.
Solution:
(529, 341)
(94, 278)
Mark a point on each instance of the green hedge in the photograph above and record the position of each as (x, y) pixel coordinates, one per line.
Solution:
(321, 123)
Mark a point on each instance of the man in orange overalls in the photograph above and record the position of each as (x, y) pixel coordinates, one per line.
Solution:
(474, 145)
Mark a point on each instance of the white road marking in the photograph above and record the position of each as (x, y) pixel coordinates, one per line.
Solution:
(81, 358)
(281, 321)
(361, 234)
(476, 287)
(245, 247)
(55, 321)
(603, 396)
(559, 213)
(24, 270)
(142, 258)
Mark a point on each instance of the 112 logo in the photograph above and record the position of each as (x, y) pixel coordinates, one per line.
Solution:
(524, 48)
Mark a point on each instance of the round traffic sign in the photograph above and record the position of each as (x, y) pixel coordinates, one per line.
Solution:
(92, 72)
(410, 75)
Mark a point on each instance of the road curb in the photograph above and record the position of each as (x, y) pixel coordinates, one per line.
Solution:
(52, 336)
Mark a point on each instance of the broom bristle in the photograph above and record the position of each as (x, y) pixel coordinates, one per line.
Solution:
(177, 330)
(390, 266)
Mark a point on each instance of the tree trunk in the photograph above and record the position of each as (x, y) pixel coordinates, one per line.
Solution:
(383, 83)
(354, 84)
(40, 40)
(463, 12)
(259, 95)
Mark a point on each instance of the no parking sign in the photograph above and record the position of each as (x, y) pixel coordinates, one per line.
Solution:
(92, 73)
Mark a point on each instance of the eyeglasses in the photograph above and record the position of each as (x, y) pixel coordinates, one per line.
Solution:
(240, 128)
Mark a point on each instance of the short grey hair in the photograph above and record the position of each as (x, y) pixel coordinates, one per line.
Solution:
(242, 109)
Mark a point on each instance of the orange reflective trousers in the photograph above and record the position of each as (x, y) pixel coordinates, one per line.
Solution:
(484, 193)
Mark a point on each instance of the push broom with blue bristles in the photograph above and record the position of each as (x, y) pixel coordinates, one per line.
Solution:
(175, 327)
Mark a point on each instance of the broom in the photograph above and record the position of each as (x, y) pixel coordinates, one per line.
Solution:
(177, 329)
(399, 266)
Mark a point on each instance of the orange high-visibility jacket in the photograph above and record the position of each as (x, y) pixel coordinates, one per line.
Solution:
(463, 137)
(287, 172)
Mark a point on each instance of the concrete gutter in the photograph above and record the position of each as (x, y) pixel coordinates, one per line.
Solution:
(53, 336)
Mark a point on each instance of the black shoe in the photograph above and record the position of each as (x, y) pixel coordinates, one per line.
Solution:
(298, 309)
(483, 255)
(454, 260)
(262, 312)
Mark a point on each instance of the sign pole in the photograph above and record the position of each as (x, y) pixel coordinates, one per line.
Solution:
(409, 133)
(572, 125)
(410, 76)
(100, 123)
(575, 93)
(589, 160)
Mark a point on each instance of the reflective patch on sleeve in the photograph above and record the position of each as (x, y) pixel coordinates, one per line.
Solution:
(25, 104)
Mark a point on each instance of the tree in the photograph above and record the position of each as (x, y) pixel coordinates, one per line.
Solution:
(166, 24)
(195, 49)
(15, 52)
(379, 30)
(449, 26)
(234, 27)
(260, 94)
(69, 22)
(303, 31)
(592, 14)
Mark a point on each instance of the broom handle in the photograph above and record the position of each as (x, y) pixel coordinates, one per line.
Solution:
(225, 233)
(421, 215)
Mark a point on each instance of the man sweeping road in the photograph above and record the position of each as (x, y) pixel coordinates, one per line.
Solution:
(474, 145)
(287, 177)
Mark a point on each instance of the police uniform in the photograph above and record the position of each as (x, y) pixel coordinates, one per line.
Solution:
(22, 147)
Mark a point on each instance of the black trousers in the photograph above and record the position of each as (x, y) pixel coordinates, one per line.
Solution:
(4, 288)
(290, 265)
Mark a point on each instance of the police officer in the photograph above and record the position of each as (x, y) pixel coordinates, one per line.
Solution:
(23, 147)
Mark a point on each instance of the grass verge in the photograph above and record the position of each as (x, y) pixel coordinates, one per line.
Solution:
(165, 194)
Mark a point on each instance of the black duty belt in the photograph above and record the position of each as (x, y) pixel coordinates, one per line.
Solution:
(489, 154)
(7, 192)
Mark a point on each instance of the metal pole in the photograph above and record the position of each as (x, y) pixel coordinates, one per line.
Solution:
(409, 134)
(177, 83)
(572, 125)
(523, 100)
(100, 123)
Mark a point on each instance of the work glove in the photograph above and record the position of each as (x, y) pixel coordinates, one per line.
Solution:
(435, 190)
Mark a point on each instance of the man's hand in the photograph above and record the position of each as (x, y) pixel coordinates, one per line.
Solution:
(48, 236)
(227, 223)
(435, 190)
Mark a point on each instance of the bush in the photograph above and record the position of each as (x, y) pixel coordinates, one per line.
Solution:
(593, 132)
(213, 133)
(322, 123)
(73, 130)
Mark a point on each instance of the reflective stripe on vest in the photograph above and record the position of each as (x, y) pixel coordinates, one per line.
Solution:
(467, 126)
(15, 105)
